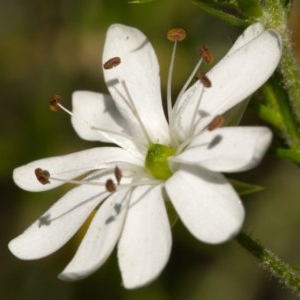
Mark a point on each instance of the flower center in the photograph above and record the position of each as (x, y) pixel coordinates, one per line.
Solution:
(156, 162)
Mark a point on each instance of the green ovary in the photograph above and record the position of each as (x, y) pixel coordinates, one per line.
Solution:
(156, 161)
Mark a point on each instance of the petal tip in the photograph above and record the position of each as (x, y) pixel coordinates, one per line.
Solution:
(135, 284)
(11, 248)
(70, 276)
(15, 248)
(228, 233)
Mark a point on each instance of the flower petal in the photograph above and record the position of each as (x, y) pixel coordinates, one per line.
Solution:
(145, 243)
(206, 203)
(57, 225)
(234, 78)
(95, 110)
(70, 166)
(100, 239)
(96, 118)
(135, 84)
(247, 36)
(228, 149)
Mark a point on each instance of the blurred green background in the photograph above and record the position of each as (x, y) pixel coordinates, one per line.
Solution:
(49, 47)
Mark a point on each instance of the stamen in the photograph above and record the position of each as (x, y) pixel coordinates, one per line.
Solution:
(111, 135)
(118, 174)
(184, 88)
(204, 80)
(134, 109)
(206, 55)
(217, 122)
(111, 63)
(196, 114)
(42, 176)
(194, 123)
(54, 102)
(176, 35)
(110, 186)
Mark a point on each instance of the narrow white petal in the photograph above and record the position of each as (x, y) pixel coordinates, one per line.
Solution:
(57, 225)
(70, 166)
(234, 78)
(95, 110)
(228, 149)
(145, 243)
(206, 203)
(96, 118)
(139, 71)
(240, 74)
(100, 239)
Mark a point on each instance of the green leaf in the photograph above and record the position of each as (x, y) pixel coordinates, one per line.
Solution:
(267, 114)
(243, 188)
(225, 10)
(292, 155)
(234, 115)
(250, 8)
(278, 104)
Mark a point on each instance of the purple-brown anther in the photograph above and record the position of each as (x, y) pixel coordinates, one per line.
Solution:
(118, 174)
(217, 122)
(54, 101)
(42, 176)
(111, 63)
(205, 80)
(176, 35)
(110, 186)
(206, 55)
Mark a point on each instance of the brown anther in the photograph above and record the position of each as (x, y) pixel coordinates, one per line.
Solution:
(110, 186)
(54, 101)
(217, 122)
(42, 175)
(111, 63)
(176, 35)
(205, 80)
(118, 174)
(206, 55)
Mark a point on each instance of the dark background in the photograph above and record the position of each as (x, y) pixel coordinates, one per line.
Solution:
(49, 47)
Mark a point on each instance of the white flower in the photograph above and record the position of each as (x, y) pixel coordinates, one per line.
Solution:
(156, 161)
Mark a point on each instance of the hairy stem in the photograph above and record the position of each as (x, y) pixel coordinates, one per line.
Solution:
(269, 261)
(276, 15)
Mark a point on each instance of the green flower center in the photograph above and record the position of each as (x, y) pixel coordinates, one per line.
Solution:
(156, 162)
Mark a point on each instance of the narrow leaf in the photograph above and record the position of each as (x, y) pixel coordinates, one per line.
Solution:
(217, 12)
(243, 188)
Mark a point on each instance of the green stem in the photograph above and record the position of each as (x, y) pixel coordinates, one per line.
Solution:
(290, 70)
(276, 15)
(282, 271)
(292, 155)
(267, 114)
(279, 110)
